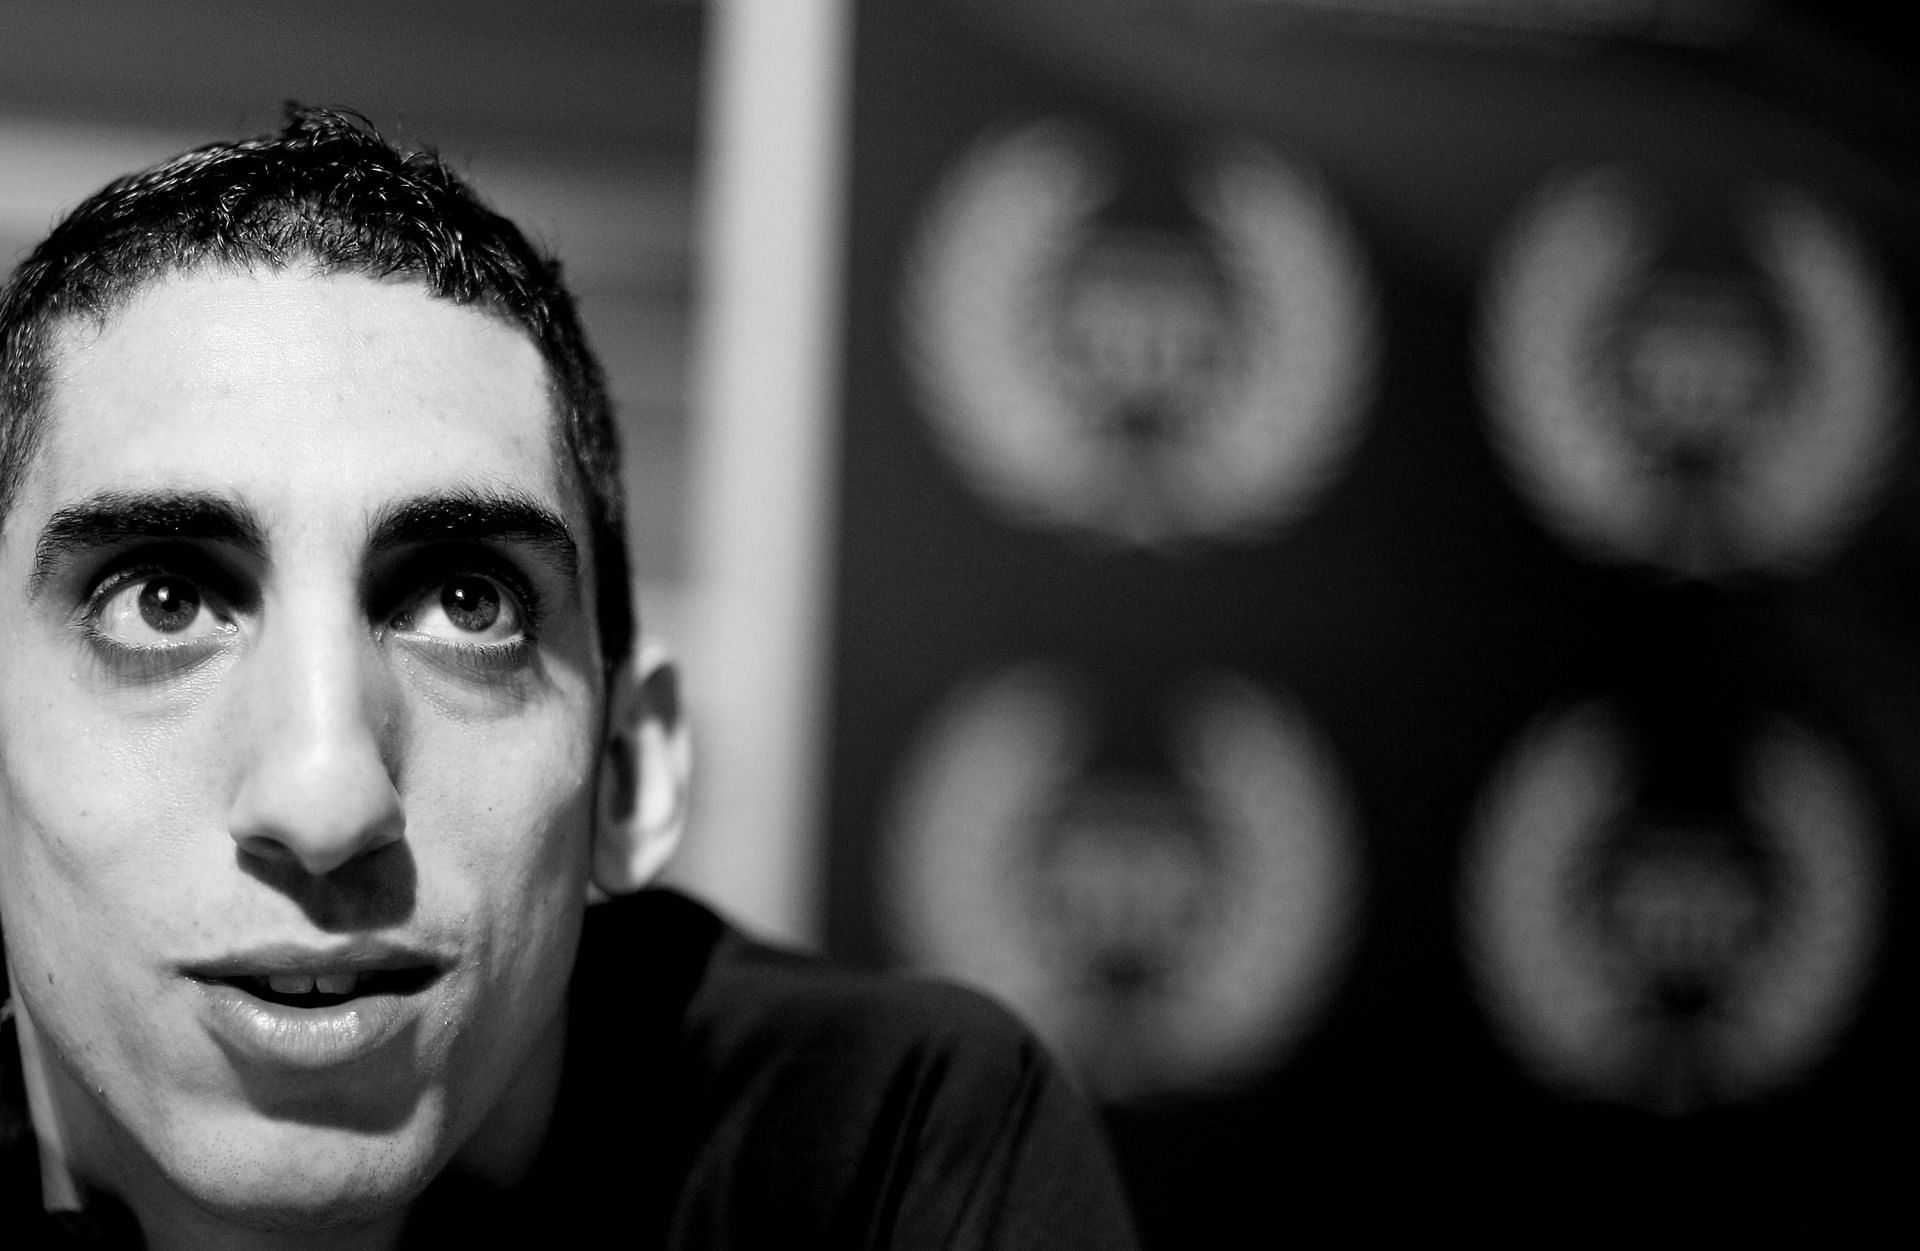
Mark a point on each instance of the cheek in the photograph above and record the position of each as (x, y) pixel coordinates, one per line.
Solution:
(504, 813)
(99, 821)
(114, 780)
(501, 832)
(104, 856)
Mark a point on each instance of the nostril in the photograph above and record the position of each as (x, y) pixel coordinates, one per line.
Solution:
(269, 851)
(317, 809)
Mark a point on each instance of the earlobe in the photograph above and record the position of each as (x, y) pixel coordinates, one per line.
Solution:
(644, 777)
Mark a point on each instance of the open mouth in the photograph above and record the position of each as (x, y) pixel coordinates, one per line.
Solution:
(325, 990)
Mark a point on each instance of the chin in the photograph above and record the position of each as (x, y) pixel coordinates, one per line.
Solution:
(281, 1175)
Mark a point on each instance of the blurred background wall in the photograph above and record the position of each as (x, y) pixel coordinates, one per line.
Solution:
(1355, 560)
(1375, 566)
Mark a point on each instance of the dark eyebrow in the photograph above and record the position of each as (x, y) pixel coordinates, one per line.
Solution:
(479, 515)
(114, 517)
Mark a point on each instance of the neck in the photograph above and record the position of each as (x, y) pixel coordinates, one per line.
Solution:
(184, 1228)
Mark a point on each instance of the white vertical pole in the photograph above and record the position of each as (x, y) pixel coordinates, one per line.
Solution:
(765, 386)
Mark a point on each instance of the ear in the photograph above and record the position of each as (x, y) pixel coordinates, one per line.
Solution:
(644, 776)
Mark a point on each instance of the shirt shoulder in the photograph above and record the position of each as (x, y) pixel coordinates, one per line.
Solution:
(822, 1105)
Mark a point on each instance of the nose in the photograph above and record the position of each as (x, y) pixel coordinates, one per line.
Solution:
(316, 786)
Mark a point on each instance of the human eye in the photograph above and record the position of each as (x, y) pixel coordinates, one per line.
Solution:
(478, 612)
(154, 616)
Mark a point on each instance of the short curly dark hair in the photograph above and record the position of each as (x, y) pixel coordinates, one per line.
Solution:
(329, 192)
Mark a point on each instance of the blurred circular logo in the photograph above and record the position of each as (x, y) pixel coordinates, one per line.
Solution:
(1151, 381)
(1162, 930)
(1671, 959)
(1707, 407)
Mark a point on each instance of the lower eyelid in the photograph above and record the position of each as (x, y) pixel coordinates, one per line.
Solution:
(154, 660)
(406, 624)
(481, 659)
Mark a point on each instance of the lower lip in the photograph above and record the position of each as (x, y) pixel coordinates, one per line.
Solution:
(304, 1038)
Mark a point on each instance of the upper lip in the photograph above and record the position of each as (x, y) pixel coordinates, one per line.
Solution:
(362, 956)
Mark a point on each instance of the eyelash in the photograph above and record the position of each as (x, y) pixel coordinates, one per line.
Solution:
(422, 574)
(428, 571)
(477, 660)
(154, 659)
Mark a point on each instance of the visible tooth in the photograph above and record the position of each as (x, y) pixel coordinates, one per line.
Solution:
(291, 983)
(336, 983)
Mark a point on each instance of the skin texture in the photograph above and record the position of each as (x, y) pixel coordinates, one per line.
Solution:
(318, 755)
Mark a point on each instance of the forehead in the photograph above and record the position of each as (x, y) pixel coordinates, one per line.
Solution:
(295, 391)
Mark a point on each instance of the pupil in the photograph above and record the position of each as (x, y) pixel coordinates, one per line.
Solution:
(471, 603)
(169, 605)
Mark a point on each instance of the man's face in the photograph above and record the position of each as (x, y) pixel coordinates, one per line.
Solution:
(298, 683)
